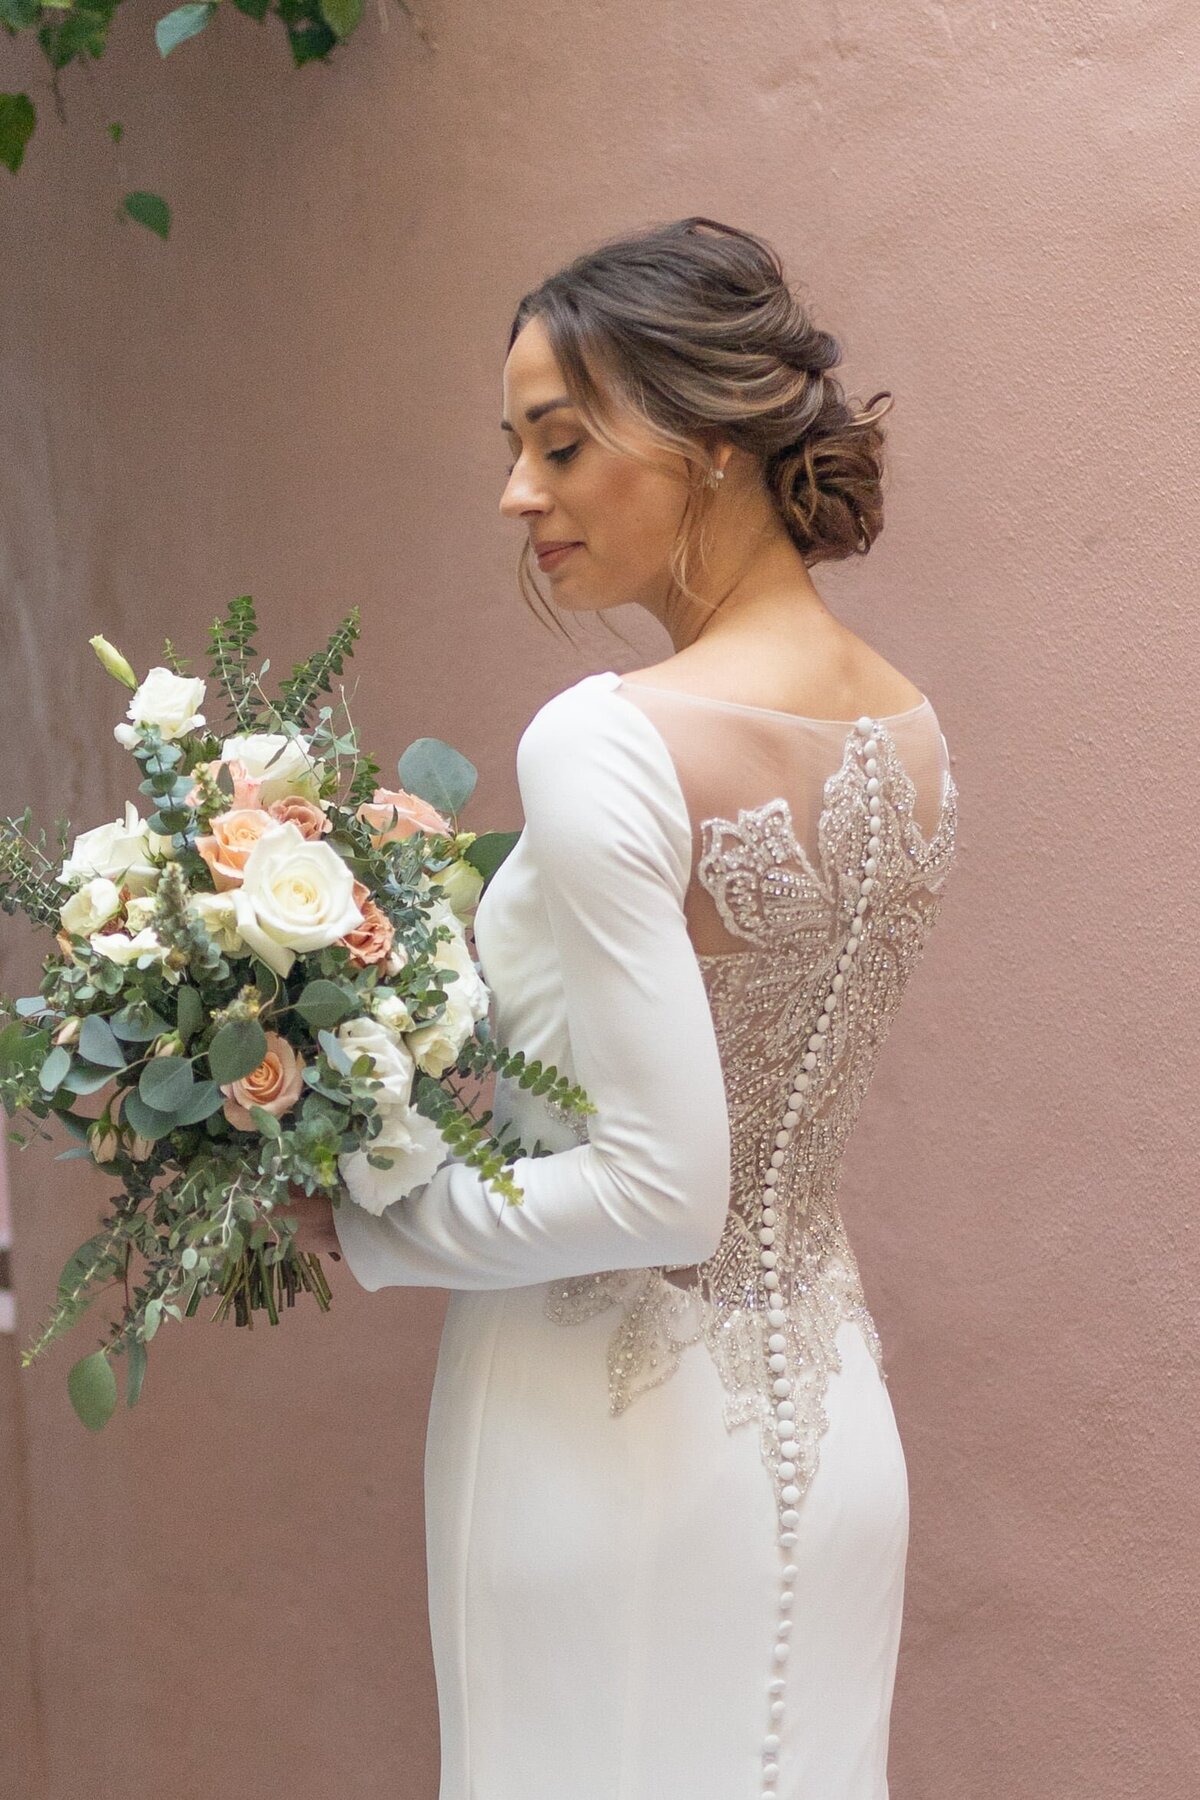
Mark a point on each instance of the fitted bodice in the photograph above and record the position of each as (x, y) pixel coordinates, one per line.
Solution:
(819, 853)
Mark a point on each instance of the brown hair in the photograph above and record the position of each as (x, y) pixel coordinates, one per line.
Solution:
(693, 329)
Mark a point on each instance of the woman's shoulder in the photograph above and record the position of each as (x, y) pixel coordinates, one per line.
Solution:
(840, 677)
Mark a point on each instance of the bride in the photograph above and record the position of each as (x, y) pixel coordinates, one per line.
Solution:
(667, 1505)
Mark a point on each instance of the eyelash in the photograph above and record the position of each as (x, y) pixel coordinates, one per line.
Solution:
(559, 456)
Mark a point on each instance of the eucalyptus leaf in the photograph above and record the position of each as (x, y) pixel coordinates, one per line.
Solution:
(166, 1083)
(437, 772)
(137, 1024)
(189, 1012)
(92, 1386)
(486, 852)
(205, 1099)
(81, 1261)
(146, 1120)
(85, 1078)
(98, 1043)
(334, 1052)
(54, 1069)
(324, 1003)
(267, 1123)
(341, 16)
(236, 1050)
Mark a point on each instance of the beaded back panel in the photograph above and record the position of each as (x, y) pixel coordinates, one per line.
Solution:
(800, 1010)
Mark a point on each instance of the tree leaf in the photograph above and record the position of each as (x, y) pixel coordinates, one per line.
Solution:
(85, 1078)
(341, 16)
(236, 1050)
(93, 1390)
(267, 1123)
(17, 120)
(146, 1120)
(205, 1099)
(150, 210)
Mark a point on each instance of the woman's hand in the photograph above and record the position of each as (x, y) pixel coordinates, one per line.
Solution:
(315, 1230)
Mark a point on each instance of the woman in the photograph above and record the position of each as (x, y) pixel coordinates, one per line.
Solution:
(667, 1504)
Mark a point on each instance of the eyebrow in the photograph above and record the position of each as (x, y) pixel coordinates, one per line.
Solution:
(535, 412)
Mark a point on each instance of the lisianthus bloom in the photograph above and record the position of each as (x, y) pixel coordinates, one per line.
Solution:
(121, 851)
(281, 764)
(275, 1085)
(169, 701)
(394, 814)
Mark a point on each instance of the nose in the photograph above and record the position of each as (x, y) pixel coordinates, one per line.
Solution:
(520, 495)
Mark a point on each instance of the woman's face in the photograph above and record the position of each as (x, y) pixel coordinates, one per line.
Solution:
(566, 486)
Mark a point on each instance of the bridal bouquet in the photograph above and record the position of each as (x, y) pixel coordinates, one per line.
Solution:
(265, 980)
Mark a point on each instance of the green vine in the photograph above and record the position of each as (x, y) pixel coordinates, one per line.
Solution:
(74, 30)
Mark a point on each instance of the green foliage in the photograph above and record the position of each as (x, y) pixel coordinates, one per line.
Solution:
(78, 30)
(315, 675)
(147, 209)
(439, 773)
(231, 653)
(28, 878)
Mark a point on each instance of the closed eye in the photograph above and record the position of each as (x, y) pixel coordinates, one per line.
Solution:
(559, 456)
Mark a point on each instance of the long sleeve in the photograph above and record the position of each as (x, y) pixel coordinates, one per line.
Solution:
(608, 830)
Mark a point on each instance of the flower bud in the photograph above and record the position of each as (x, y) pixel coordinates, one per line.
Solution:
(68, 1032)
(113, 661)
(102, 1139)
(168, 1044)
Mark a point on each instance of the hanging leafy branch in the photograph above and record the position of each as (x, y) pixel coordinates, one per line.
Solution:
(315, 675)
(73, 30)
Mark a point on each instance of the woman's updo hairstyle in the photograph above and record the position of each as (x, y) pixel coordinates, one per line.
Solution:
(692, 328)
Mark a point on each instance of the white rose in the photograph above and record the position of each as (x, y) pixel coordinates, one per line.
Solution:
(218, 915)
(463, 885)
(97, 901)
(436, 1046)
(167, 700)
(291, 768)
(120, 851)
(122, 949)
(390, 1010)
(295, 894)
(391, 1064)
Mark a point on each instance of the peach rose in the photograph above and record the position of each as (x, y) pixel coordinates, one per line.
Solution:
(370, 942)
(310, 820)
(275, 1085)
(245, 787)
(393, 814)
(233, 836)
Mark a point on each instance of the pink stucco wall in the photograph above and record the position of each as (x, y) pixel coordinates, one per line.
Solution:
(298, 397)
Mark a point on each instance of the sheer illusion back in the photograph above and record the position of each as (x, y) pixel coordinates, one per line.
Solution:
(819, 851)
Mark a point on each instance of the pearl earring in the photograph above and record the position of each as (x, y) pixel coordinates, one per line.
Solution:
(715, 476)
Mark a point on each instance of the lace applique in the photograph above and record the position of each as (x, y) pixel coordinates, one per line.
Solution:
(799, 1018)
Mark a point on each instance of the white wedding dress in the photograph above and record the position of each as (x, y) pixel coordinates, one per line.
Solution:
(667, 1505)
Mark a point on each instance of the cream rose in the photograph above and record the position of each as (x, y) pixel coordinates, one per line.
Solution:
(413, 1143)
(120, 851)
(295, 895)
(170, 701)
(390, 1010)
(282, 765)
(97, 901)
(231, 837)
(275, 1085)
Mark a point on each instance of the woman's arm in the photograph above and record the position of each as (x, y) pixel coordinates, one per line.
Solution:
(610, 837)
